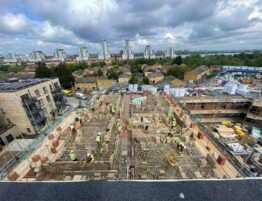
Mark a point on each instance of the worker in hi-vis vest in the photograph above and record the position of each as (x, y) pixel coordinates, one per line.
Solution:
(173, 123)
(98, 139)
(169, 114)
(90, 158)
(73, 156)
(171, 133)
(113, 110)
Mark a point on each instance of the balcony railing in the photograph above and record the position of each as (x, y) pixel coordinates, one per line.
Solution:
(9, 126)
(29, 101)
(56, 89)
(58, 96)
(38, 120)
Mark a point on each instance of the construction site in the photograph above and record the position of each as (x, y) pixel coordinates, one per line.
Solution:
(135, 144)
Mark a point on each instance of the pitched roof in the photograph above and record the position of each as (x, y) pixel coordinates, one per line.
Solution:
(86, 80)
(79, 72)
(170, 78)
(156, 75)
(201, 69)
(124, 75)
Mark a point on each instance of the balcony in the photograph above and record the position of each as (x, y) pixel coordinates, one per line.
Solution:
(57, 96)
(57, 89)
(60, 105)
(39, 120)
(29, 101)
(9, 126)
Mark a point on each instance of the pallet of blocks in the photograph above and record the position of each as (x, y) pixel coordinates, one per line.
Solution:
(171, 159)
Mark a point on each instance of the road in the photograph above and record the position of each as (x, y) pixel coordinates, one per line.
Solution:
(74, 101)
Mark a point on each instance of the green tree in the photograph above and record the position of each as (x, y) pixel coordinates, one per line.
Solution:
(178, 60)
(100, 73)
(93, 64)
(146, 80)
(102, 64)
(133, 79)
(4, 67)
(42, 71)
(65, 76)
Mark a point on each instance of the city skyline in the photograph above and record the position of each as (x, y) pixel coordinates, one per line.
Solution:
(200, 25)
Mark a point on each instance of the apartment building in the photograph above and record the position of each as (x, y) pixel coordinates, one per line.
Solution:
(31, 104)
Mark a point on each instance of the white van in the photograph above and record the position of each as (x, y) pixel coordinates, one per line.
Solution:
(80, 96)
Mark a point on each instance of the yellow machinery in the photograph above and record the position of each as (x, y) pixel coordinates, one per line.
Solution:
(68, 93)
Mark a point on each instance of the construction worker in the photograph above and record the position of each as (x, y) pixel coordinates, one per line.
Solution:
(118, 124)
(171, 133)
(146, 125)
(173, 123)
(73, 156)
(113, 110)
(181, 146)
(98, 139)
(85, 110)
(169, 114)
(90, 158)
(77, 115)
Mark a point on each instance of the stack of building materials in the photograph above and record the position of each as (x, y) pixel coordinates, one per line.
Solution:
(237, 148)
(226, 132)
(238, 130)
(230, 88)
(242, 89)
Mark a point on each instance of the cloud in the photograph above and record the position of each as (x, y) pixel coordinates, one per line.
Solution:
(13, 24)
(180, 24)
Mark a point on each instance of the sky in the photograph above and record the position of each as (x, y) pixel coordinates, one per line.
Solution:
(27, 25)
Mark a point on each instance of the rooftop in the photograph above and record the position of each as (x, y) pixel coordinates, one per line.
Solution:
(86, 80)
(201, 69)
(21, 84)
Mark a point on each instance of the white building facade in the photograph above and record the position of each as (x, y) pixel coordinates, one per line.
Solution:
(82, 55)
(11, 58)
(127, 53)
(170, 52)
(104, 53)
(149, 53)
(36, 56)
(59, 55)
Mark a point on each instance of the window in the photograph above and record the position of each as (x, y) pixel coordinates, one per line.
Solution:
(48, 98)
(45, 90)
(41, 102)
(45, 112)
(37, 93)
(28, 130)
(51, 106)
(51, 88)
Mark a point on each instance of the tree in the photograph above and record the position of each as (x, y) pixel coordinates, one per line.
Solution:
(65, 76)
(100, 73)
(178, 60)
(42, 71)
(102, 64)
(133, 79)
(146, 80)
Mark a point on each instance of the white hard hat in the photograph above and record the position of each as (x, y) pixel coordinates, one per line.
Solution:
(99, 133)
(88, 154)
(72, 151)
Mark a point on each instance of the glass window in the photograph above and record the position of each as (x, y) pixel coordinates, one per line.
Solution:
(37, 93)
(45, 112)
(28, 130)
(48, 98)
(8, 120)
(45, 90)
(51, 88)
(41, 102)
(51, 106)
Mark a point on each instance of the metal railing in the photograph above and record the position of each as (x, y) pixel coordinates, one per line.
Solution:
(217, 142)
